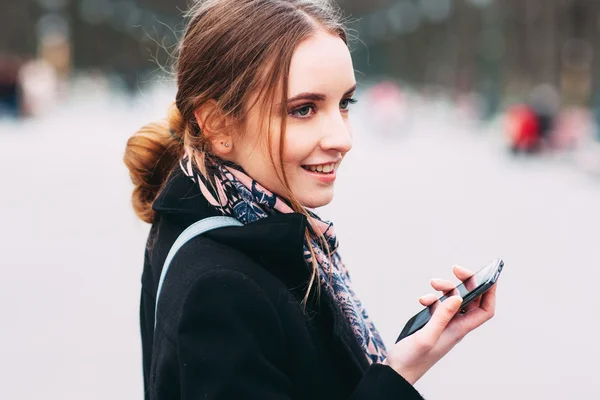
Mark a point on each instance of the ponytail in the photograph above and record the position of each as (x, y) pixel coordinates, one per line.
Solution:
(150, 155)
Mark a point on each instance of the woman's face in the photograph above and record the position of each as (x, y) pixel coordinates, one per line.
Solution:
(318, 134)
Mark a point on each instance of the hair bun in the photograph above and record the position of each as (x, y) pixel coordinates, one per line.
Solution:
(150, 156)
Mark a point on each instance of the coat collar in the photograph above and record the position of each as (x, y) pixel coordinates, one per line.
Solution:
(276, 243)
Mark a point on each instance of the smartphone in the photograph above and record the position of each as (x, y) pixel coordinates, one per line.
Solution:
(469, 290)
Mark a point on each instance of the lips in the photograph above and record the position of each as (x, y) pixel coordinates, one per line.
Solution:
(322, 176)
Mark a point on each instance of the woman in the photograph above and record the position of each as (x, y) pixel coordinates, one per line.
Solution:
(265, 310)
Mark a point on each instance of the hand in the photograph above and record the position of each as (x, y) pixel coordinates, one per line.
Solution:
(413, 356)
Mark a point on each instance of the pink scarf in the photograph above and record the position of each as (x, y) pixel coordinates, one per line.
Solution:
(239, 196)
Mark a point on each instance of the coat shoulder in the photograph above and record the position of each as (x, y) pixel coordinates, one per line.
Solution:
(204, 258)
(204, 262)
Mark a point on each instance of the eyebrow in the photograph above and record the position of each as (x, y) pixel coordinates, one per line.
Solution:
(316, 96)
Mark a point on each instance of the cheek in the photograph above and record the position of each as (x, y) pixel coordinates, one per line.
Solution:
(298, 146)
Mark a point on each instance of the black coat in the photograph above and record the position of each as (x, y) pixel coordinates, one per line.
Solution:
(230, 324)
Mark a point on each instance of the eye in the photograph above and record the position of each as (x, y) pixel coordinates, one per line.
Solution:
(303, 111)
(345, 104)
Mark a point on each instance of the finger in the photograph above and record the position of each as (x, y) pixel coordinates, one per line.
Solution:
(462, 273)
(488, 300)
(476, 303)
(478, 316)
(442, 285)
(473, 304)
(471, 320)
(441, 317)
(428, 299)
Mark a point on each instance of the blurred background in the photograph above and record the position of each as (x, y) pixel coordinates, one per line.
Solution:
(477, 120)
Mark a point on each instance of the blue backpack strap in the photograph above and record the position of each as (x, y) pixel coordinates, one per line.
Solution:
(197, 228)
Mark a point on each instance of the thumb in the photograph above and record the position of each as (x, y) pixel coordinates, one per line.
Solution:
(442, 316)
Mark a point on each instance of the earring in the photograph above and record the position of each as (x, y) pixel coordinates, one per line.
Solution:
(226, 144)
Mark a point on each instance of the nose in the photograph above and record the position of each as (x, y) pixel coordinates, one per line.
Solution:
(337, 135)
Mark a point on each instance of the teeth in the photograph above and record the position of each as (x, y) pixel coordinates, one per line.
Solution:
(324, 168)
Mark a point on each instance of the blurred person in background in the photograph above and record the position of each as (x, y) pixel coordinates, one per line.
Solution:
(540, 125)
(523, 129)
(545, 104)
(389, 108)
(264, 310)
(44, 78)
(39, 84)
(10, 101)
(532, 125)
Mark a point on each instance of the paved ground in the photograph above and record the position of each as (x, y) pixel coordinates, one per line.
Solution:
(408, 206)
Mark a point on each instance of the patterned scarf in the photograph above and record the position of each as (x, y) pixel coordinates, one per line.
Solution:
(237, 195)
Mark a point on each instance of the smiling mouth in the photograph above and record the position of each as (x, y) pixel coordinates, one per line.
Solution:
(324, 169)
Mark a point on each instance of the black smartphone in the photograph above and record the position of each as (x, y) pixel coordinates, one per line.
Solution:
(469, 290)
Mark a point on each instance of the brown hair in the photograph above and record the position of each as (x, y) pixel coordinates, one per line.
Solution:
(237, 54)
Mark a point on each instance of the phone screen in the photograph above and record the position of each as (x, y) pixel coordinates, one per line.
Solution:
(468, 287)
(471, 284)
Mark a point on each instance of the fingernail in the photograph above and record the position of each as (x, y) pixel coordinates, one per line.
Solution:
(434, 280)
(459, 267)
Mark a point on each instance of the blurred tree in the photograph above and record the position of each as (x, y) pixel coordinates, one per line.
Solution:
(17, 27)
(501, 48)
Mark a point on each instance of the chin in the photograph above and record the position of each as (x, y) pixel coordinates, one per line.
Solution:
(316, 200)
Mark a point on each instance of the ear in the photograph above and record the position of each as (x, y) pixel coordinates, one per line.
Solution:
(215, 127)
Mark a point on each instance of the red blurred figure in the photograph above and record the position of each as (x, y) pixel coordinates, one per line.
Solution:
(523, 129)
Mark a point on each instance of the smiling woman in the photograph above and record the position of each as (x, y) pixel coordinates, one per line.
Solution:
(317, 131)
(262, 307)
